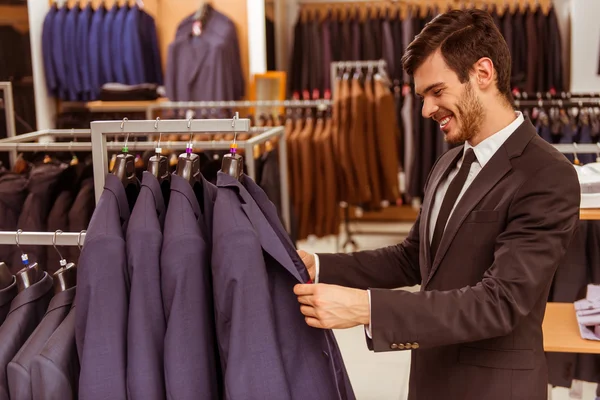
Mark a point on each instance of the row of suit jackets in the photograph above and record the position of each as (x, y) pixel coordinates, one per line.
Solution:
(533, 38)
(50, 197)
(205, 66)
(36, 324)
(86, 48)
(193, 294)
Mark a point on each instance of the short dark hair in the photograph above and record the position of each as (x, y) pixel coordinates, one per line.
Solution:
(463, 36)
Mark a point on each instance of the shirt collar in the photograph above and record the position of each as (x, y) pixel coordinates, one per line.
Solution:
(487, 148)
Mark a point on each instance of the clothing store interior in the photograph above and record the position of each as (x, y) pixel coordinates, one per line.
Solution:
(303, 109)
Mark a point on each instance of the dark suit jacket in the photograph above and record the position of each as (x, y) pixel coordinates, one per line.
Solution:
(41, 185)
(532, 51)
(146, 327)
(116, 44)
(58, 218)
(47, 51)
(260, 330)
(554, 68)
(59, 54)
(80, 214)
(82, 46)
(6, 297)
(133, 49)
(19, 369)
(102, 298)
(13, 192)
(107, 59)
(191, 359)
(72, 61)
(26, 311)
(55, 370)
(476, 325)
(95, 44)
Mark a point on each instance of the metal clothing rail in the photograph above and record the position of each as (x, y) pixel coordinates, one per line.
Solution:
(42, 238)
(102, 129)
(587, 148)
(9, 110)
(235, 104)
(570, 102)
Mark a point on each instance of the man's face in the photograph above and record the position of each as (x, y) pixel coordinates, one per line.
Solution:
(455, 106)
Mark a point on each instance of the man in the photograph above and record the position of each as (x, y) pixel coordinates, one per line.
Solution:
(497, 216)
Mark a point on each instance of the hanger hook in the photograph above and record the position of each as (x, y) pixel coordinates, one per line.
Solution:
(63, 262)
(125, 119)
(235, 117)
(19, 231)
(24, 257)
(79, 239)
(158, 149)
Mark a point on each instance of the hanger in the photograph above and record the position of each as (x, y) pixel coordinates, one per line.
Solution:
(233, 163)
(66, 277)
(201, 17)
(158, 165)
(124, 169)
(6, 278)
(188, 163)
(30, 274)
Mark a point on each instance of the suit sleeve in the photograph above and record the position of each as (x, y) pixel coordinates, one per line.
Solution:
(541, 221)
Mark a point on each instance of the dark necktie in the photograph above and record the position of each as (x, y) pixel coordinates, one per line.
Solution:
(450, 199)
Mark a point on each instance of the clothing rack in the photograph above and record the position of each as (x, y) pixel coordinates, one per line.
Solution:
(101, 129)
(42, 238)
(337, 65)
(321, 104)
(9, 110)
(568, 102)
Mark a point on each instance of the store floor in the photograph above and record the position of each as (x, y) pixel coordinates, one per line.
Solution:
(384, 376)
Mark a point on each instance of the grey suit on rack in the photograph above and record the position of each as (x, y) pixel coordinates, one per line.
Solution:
(19, 369)
(26, 311)
(267, 350)
(146, 328)
(191, 358)
(103, 297)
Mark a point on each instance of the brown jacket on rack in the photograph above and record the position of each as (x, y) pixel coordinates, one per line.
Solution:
(307, 176)
(332, 216)
(319, 188)
(294, 159)
(357, 143)
(387, 149)
(371, 145)
(475, 327)
(344, 158)
(337, 127)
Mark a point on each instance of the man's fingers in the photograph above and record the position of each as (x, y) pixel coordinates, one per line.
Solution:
(304, 290)
(306, 300)
(308, 311)
(315, 323)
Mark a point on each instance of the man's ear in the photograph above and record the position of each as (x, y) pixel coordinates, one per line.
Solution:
(483, 73)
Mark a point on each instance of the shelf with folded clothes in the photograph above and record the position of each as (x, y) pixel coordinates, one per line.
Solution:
(561, 331)
(110, 106)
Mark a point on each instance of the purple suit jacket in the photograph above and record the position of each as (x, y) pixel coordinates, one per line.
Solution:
(103, 298)
(267, 349)
(146, 327)
(191, 358)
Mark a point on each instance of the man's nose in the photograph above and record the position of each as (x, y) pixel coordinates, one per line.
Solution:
(429, 108)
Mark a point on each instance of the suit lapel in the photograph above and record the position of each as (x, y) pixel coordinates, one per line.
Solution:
(438, 175)
(498, 166)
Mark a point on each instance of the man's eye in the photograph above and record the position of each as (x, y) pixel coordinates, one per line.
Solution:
(438, 92)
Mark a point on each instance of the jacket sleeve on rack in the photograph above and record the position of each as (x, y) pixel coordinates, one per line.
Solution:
(105, 43)
(55, 371)
(133, 52)
(82, 39)
(154, 72)
(117, 45)
(72, 54)
(47, 32)
(58, 54)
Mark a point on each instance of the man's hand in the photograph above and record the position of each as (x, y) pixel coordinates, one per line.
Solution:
(333, 307)
(309, 260)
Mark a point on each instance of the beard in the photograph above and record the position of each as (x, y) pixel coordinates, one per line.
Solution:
(470, 113)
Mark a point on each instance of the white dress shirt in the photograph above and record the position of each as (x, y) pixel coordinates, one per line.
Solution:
(484, 151)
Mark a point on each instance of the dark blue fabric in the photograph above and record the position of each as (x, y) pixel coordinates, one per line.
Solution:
(585, 137)
(152, 60)
(95, 40)
(70, 49)
(58, 53)
(47, 41)
(133, 49)
(117, 50)
(107, 59)
(82, 46)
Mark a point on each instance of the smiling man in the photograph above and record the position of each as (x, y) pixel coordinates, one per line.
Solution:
(498, 214)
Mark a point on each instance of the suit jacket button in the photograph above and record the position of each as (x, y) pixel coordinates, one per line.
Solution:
(325, 354)
(394, 346)
(400, 346)
(415, 345)
(408, 346)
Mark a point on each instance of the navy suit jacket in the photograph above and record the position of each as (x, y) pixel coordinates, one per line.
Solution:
(19, 369)
(47, 49)
(26, 311)
(116, 45)
(58, 53)
(146, 328)
(103, 298)
(107, 52)
(82, 47)
(95, 43)
(71, 56)
(133, 49)
(267, 349)
(55, 371)
(152, 60)
(191, 359)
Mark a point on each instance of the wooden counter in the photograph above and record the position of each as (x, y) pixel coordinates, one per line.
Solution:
(561, 332)
(589, 213)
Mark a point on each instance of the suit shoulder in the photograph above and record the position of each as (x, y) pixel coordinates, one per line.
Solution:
(541, 155)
